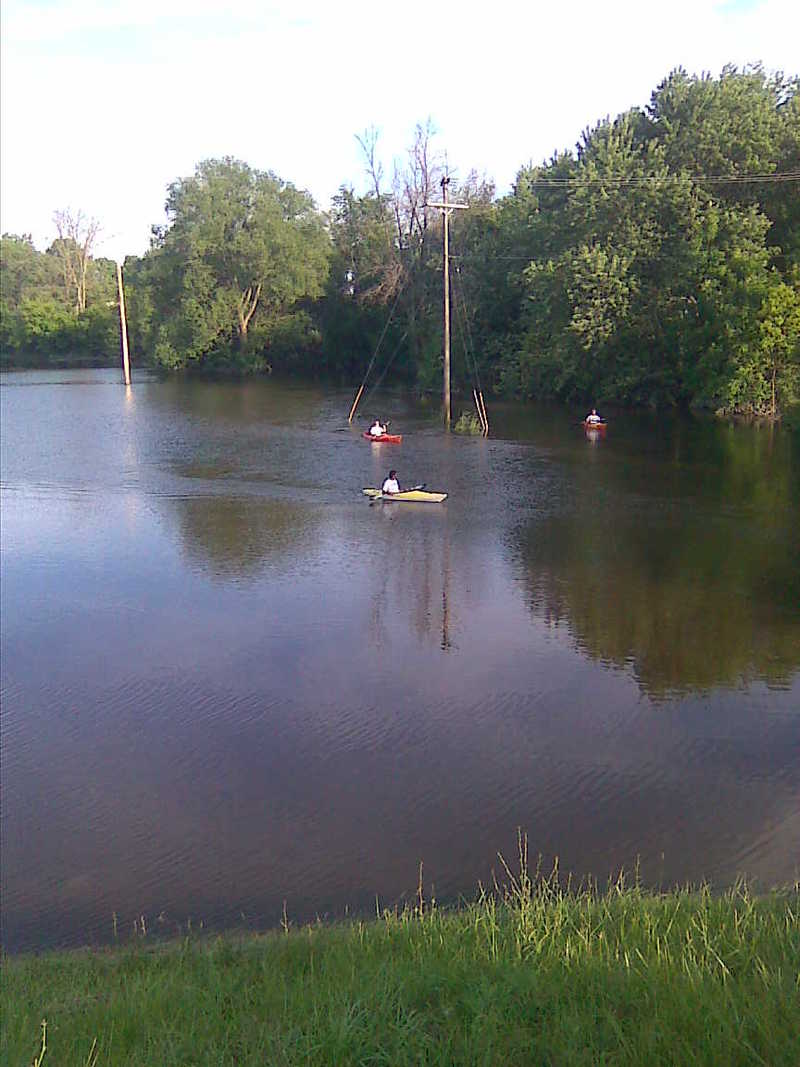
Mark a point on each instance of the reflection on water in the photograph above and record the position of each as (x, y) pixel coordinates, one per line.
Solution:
(233, 538)
(416, 575)
(227, 681)
(689, 606)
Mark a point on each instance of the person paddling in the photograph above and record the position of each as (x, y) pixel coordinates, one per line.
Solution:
(593, 419)
(391, 485)
(377, 429)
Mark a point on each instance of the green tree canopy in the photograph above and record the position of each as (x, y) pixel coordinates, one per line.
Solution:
(39, 320)
(645, 258)
(242, 248)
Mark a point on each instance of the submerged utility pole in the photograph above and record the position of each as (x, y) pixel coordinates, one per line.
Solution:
(446, 290)
(446, 210)
(123, 328)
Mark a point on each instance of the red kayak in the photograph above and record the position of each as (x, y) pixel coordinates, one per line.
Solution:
(388, 438)
(596, 427)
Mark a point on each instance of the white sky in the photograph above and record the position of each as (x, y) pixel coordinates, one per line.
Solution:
(103, 102)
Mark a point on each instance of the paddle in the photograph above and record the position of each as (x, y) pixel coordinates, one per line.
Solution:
(388, 496)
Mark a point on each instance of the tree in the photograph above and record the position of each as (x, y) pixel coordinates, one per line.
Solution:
(727, 126)
(242, 247)
(766, 377)
(649, 253)
(363, 274)
(744, 123)
(779, 341)
(416, 184)
(385, 266)
(26, 271)
(73, 247)
(40, 322)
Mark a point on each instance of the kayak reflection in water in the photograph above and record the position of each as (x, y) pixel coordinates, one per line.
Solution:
(391, 485)
(377, 429)
(594, 418)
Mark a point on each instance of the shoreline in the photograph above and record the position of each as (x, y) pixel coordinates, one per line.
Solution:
(531, 974)
(788, 418)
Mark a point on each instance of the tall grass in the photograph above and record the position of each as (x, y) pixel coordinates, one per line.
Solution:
(533, 973)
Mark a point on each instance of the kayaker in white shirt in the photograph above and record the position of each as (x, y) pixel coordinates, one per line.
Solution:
(594, 418)
(391, 484)
(377, 429)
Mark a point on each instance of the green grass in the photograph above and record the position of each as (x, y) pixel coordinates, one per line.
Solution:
(533, 975)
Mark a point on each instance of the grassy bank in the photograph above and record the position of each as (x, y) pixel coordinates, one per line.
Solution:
(539, 976)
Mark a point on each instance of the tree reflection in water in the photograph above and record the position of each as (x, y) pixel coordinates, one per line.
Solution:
(691, 591)
(232, 538)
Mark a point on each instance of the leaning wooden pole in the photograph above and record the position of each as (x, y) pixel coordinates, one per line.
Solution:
(355, 404)
(478, 408)
(485, 416)
(123, 328)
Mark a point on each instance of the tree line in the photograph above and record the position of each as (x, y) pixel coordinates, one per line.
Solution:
(658, 263)
(58, 307)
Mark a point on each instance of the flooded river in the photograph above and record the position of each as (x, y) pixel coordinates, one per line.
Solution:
(231, 686)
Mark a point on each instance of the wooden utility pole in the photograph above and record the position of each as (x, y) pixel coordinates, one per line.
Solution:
(446, 210)
(123, 328)
(445, 237)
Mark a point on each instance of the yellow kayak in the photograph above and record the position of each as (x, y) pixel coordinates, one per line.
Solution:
(420, 496)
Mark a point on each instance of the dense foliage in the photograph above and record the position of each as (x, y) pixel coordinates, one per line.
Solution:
(229, 275)
(39, 320)
(654, 271)
(658, 263)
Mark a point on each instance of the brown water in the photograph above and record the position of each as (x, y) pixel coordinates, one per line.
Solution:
(228, 682)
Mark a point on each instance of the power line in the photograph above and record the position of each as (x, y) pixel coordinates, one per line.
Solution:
(655, 179)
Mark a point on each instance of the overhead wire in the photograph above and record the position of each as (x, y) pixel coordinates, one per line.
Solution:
(644, 180)
(466, 340)
(372, 361)
(383, 334)
(649, 179)
(388, 365)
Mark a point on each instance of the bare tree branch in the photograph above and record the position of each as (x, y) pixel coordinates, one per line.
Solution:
(76, 236)
(368, 142)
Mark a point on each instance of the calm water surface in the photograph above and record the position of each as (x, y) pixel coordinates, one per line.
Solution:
(228, 682)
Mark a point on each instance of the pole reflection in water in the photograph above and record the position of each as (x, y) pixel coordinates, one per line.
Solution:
(445, 590)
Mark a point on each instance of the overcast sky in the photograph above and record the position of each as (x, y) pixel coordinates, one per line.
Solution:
(104, 103)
